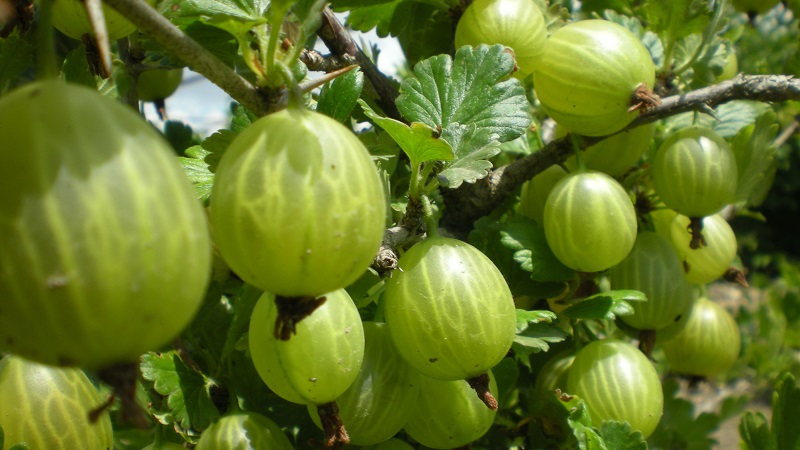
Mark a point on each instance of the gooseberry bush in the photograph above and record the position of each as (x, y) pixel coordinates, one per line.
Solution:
(514, 241)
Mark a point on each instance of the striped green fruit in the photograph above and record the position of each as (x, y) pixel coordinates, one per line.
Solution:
(164, 446)
(104, 248)
(449, 310)
(589, 221)
(385, 379)
(710, 261)
(297, 206)
(48, 407)
(588, 73)
(517, 24)
(536, 190)
(448, 414)
(320, 361)
(391, 444)
(707, 344)
(617, 382)
(244, 431)
(653, 267)
(694, 172)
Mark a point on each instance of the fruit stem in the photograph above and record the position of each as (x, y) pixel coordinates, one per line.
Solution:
(46, 57)
(480, 384)
(580, 165)
(291, 310)
(332, 426)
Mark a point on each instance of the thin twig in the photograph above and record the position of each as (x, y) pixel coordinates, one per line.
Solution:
(472, 201)
(339, 41)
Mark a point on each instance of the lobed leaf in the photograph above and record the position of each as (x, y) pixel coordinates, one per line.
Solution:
(187, 391)
(531, 251)
(197, 170)
(785, 411)
(526, 318)
(474, 103)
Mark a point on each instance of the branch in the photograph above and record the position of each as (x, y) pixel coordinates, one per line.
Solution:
(341, 43)
(473, 201)
(161, 30)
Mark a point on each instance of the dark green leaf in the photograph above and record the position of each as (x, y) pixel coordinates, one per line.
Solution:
(17, 56)
(506, 374)
(197, 171)
(676, 19)
(377, 15)
(337, 98)
(187, 391)
(785, 411)
(474, 103)
(531, 252)
(367, 288)
(619, 436)
(422, 30)
(418, 141)
(76, 69)
(538, 337)
(179, 134)
(756, 159)
(309, 12)
(526, 318)
(606, 305)
(486, 236)
(754, 432)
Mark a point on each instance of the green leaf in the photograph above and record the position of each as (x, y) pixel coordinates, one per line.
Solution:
(418, 141)
(187, 391)
(241, 118)
(378, 15)
(338, 97)
(756, 159)
(423, 30)
(235, 16)
(531, 252)
(581, 423)
(606, 305)
(525, 318)
(538, 337)
(179, 135)
(676, 19)
(785, 411)
(19, 447)
(473, 101)
(17, 55)
(76, 69)
(619, 436)
(754, 432)
(197, 171)
(309, 12)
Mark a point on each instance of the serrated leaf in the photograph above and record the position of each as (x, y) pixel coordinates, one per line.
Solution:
(218, 11)
(418, 141)
(606, 305)
(187, 391)
(474, 103)
(581, 423)
(526, 318)
(785, 411)
(619, 436)
(754, 432)
(730, 118)
(531, 251)
(196, 169)
(17, 55)
(338, 97)
(241, 118)
(756, 159)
